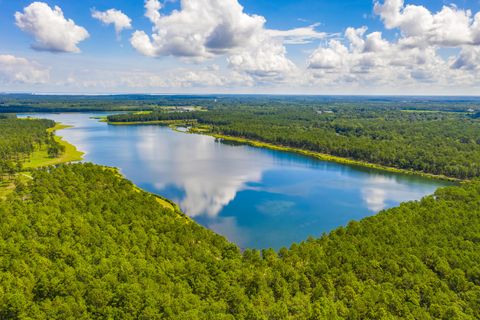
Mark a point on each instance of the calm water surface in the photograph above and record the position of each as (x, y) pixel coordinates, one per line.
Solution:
(255, 197)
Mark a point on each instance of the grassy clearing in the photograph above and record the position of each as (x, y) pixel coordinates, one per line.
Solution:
(165, 203)
(40, 158)
(6, 187)
(162, 201)
(201, 129)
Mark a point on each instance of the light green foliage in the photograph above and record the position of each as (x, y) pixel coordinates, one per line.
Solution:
(58, 151)
(82, 242)
(19, 139)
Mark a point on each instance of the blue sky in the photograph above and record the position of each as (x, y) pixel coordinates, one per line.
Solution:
(241, 46)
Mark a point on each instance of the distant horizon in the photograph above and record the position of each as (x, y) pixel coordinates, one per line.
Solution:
(213, 94)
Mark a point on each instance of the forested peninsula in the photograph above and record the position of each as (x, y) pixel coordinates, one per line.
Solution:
(80, 241)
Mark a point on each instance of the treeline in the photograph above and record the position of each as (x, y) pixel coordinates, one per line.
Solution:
(441, 143)
(81, 242)
(57, 103)
(153, 116)
(19, 138)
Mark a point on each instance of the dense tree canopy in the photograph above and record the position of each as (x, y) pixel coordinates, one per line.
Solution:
(82, 242)
(19, 138)
(58, 103)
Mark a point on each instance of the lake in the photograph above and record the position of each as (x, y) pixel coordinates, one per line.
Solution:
(257, 198)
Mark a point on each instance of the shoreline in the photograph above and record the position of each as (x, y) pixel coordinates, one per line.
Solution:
(72, 154)
(327, 157)
(308, 153)
(40, 158)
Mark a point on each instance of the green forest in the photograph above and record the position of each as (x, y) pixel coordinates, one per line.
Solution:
(438, 142)
(57, 103)
(79, 241)
(20, 138)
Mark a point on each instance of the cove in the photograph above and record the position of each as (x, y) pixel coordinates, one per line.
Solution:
(257, 198)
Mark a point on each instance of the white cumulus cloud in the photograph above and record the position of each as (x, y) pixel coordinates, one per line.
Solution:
(21, 70)
(200, 29)
(416, 56)
(113, 16)
(51, 30)
(298, 35)
(449, 27)
(204, 29)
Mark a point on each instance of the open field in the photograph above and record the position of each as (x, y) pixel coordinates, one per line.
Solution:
(40, 158)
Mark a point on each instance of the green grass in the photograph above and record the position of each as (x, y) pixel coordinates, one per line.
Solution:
(40, 158)
(142, 112)
(6, 187)
(165, 203)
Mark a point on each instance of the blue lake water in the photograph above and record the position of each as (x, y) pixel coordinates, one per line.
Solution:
(255, 197)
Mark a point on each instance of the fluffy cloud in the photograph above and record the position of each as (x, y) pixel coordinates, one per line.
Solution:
(113, 16)
(21, 70)
(369, 60)
(417, 56)
(51, 30)
(298, 35)
(204, 29)
(263, 62)
(449, 27)
(468, 59)
(428, 52)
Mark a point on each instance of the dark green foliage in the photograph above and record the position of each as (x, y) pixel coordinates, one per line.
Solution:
(57, 103)
(19, 138)
(55, 150)
(82, 242)
(441, 143)
(154, 116)
(44, 103)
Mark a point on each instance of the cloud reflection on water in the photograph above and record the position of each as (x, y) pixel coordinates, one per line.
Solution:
(193, 165)
(381, 191)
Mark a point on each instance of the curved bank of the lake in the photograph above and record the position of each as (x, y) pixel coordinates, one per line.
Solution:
(40, 157)
(256, 197)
